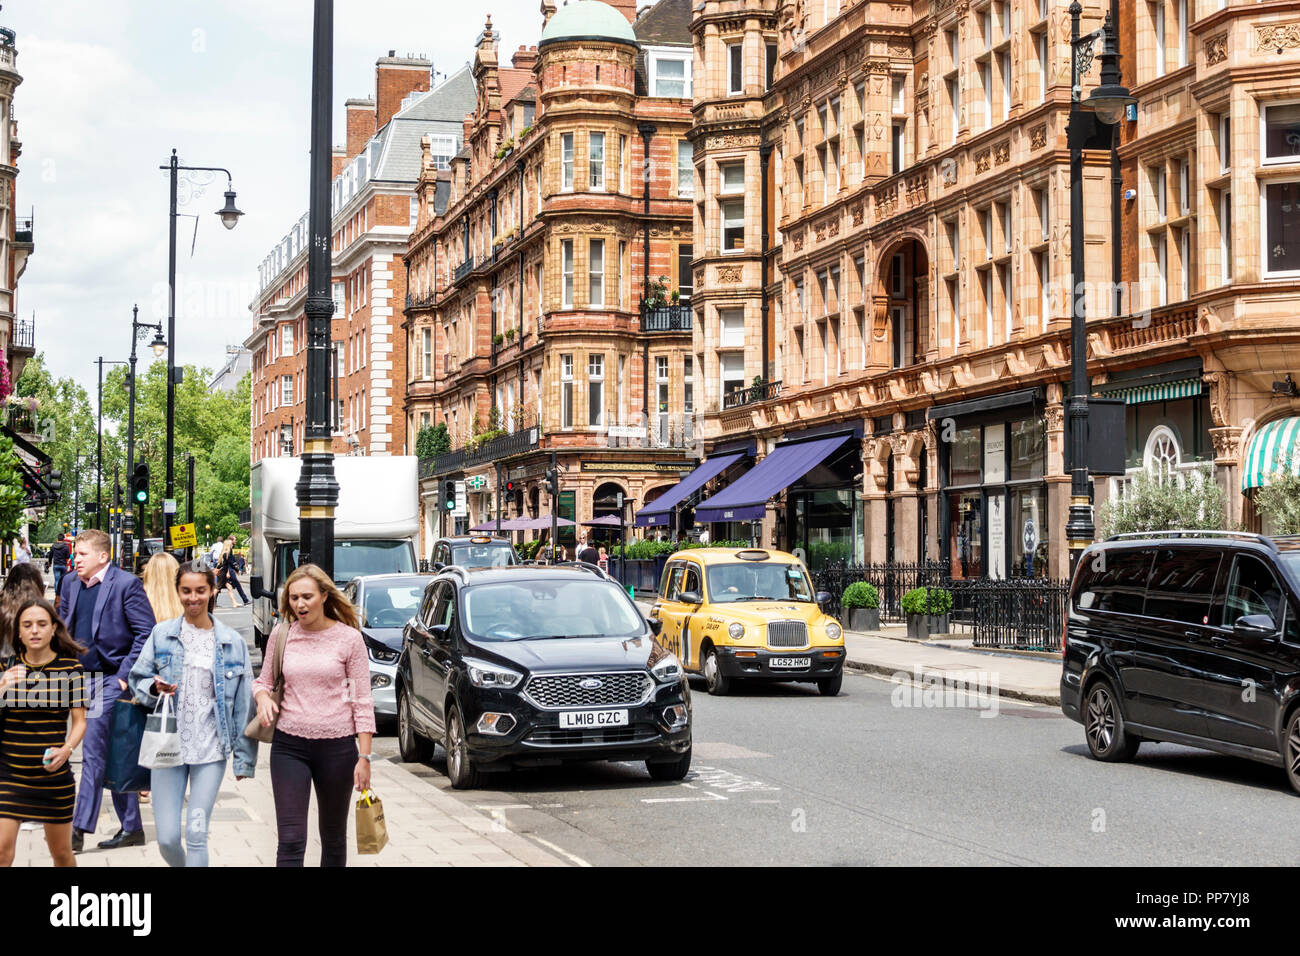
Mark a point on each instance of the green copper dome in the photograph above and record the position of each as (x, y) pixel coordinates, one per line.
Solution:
(587, 20)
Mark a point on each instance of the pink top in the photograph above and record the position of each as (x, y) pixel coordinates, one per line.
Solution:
(326, 683)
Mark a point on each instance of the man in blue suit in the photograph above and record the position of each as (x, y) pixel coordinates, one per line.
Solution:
(108, 613)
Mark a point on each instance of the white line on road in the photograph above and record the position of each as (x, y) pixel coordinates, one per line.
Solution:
(577, 860)
(503, 806)
(707, 798)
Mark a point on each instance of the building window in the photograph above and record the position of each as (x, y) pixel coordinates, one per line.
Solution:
(596, 272)
(596, 160)
(1281, 217)
(596, 390)
(1184, 263)
(1159, 192)
(732, 368)
(733, 225)
(426, 352)
(685, 286)
(286, 389)
(735, 70)
(1043, 64)
(1225, 235)
(1182, 32)
(337, 290)
(566, 162)
(1160, 254)
(1281, 134)
(1225, 144)
(686, 169)
(769, 66)
(688, 382)
(286, 339)
(731, 328)
(623, 162)
(1158, 28)
(566, 391)
(566, 269)
(671, 77)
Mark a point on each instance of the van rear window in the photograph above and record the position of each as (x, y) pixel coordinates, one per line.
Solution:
(1114, 580)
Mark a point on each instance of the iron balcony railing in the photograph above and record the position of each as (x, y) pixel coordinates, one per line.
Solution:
(667, 318)
(420, 301)
(751, 394)
(23, 335)
(24, 229)
(494, 449)
(20, 420)
(464, 269)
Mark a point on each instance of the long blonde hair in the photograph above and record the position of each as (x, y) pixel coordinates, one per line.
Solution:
(337, 607)
(160, 585)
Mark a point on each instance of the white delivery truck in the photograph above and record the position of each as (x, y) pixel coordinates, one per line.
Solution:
(375, 525)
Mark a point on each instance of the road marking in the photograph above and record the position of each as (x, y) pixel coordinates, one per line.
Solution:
(503, 806)
(717, 779)
(764, 801)
(707, 798)
(577, 860)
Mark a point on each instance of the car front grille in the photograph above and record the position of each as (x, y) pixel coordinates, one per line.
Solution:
(556, 737)
(562, 691)
(787, 634)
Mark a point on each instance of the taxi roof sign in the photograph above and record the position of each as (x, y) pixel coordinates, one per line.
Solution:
(753, 554)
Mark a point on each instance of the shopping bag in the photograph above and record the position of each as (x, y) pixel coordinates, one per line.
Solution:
(123, 773)
(160, 747)
(372, 832)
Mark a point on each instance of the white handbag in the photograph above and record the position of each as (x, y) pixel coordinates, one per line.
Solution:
(160, 747)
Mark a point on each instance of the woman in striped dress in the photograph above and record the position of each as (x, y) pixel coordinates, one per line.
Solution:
(41, 690)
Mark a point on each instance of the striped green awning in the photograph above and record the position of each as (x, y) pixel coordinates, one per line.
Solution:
(1275, 447)
(1163, 392)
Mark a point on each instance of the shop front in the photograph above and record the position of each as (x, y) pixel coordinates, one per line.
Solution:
(994, 520)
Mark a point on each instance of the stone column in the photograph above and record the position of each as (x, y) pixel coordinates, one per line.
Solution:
(1227, 469)
(874, 478)
(1058, 486)
(906, 449)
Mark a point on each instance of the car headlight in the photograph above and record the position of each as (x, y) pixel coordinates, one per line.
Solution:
(493, 676)
(737, 631)
(379, 653)
(833, 631)
(667, 670)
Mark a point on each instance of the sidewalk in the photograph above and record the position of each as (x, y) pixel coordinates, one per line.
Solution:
(426, 827)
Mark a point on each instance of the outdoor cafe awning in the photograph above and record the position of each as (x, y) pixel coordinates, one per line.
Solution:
(656, 514)
(745, 499)
(1274, 448)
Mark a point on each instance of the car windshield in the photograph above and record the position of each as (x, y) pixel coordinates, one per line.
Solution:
(354, 559)
(391, 605)
(752, 581)
(1291, 559)
(521, 610)
(482, 555)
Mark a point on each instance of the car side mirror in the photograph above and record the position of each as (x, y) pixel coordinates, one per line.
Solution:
(690, 597)
(256, 589)
(441, 633)
(438, 566)
(823, 598)
(1254, 627)
(656, 625)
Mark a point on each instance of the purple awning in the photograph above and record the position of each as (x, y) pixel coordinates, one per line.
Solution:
(656, 513)
(745, 499)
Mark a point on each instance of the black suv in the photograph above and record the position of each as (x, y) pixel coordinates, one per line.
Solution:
(1188, 637)
(473, 551)
(537, 666)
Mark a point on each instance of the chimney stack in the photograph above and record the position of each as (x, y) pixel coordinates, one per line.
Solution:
(361, 126)
(625, 7)
(395, 77)
(525, 58)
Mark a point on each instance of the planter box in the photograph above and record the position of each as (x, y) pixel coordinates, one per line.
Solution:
(864, 619)
(921, 626)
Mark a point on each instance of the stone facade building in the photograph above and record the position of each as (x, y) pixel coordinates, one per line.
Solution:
(550, 272)
(17, 336)
(373, 215)
(882, 266)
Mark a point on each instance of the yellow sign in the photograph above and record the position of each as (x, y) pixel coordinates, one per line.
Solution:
(183, 536)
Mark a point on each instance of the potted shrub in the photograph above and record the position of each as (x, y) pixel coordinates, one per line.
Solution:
(510, 334)
(861, 604)
(927, 611)
(498, 339)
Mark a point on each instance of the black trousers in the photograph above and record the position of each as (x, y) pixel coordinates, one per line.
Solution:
(298, 764)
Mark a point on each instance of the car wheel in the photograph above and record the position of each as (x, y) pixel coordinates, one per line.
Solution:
(460, 769)
(830, 686)
(412, 747)
(672, 770)
(1291, 751)
(717, 683)
(1103, 725)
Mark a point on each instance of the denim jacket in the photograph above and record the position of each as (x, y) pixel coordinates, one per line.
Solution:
(232, 677)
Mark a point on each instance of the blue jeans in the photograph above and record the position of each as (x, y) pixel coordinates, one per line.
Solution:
(168, 793)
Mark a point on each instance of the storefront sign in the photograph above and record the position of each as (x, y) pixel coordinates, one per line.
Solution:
(638, 466)
(995, 454)
(997, 538)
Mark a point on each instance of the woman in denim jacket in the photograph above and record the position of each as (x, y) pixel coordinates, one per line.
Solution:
(205, 665)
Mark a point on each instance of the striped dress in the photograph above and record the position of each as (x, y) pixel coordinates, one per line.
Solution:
(36, 717)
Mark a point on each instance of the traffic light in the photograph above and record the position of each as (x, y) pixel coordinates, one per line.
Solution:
(510, 487)
(140, 483)
(449, 495)
(54, 481)
(553, 482)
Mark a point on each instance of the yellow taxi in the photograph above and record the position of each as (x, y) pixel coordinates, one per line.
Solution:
(747, 613)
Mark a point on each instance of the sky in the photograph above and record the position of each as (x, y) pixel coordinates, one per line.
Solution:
(110, 87)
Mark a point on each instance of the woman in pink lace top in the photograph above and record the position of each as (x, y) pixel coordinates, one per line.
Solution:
(325, 713)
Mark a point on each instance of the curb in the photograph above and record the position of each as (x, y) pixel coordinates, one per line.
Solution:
(866, 667)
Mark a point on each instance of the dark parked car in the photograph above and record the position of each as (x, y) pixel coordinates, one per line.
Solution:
(473, 551)
(1190, 638)
(537, 666)
(384, 603)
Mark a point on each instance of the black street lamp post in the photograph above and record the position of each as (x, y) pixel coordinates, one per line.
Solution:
(159, 346)
(1107, 104)
(99, 442)
(229, 218)
(318, 491)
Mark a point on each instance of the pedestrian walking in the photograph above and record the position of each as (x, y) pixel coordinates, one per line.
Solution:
(205, 666)
(319, 729)
(588, 553)
(22, 551)
(226, 576)
(60, 554)
(44, 721)
(159, 581)
(107, 613)
(23, 582)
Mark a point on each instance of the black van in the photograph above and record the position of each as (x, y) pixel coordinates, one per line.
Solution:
(1188, 637)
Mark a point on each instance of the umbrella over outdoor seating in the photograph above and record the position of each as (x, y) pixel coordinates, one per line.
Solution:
(605, 521)
(507, 524)
(539, 523)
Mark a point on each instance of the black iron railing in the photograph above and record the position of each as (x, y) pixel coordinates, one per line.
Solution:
(748, 395)
(892, 581)
(464, 269)
(667, 318)
(23, 335)
(524, 438)
(24, 229)
(20, 420)
(420, 301)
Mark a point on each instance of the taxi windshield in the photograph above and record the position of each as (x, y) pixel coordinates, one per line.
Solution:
(752, 581)
(483, 555)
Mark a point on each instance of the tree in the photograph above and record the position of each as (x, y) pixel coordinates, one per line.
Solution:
(1151, 504)
(1278, 503)
(433, 440)
(11, 491)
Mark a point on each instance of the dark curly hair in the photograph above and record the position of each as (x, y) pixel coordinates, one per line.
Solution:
(201, 569)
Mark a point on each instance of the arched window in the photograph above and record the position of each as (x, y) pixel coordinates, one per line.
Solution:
(1163, 456)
